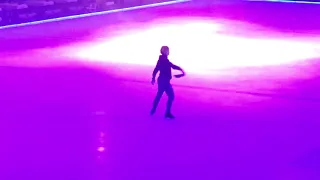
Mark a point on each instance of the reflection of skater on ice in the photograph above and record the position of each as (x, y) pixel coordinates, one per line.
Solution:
(164, 85)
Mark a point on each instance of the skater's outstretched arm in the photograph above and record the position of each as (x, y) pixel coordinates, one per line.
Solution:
(175, 67)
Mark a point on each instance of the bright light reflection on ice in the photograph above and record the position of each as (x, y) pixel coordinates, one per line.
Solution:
(198, 46)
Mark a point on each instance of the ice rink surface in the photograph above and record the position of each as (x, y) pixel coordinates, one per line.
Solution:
(76, 96)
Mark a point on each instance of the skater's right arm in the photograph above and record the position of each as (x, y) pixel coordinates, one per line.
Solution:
(156, 70)
(154, 73)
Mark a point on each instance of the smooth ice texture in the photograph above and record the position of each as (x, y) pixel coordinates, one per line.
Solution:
(76, 96)
(199, 46)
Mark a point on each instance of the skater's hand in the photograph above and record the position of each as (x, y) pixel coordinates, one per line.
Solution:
(153, 81)
(179, 75)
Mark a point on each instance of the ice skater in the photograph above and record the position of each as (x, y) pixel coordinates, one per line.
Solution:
(164, 85)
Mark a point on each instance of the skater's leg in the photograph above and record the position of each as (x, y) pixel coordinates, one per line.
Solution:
(157, 99)
(169, 91)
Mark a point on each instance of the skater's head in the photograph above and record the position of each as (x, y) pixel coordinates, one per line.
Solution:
(164, 50)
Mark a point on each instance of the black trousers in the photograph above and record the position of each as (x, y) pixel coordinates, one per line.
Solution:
(164, 86)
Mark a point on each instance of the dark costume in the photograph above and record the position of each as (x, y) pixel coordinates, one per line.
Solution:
(164, 85)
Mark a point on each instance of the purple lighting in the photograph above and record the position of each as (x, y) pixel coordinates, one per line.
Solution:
(290, 1)
(76, 95)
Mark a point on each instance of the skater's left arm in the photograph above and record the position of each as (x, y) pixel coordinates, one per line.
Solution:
(175, 67)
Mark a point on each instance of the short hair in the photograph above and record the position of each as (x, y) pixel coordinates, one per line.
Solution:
(164, 49)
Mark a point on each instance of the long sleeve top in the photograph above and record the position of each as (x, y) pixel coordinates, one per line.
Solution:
(164, 66)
